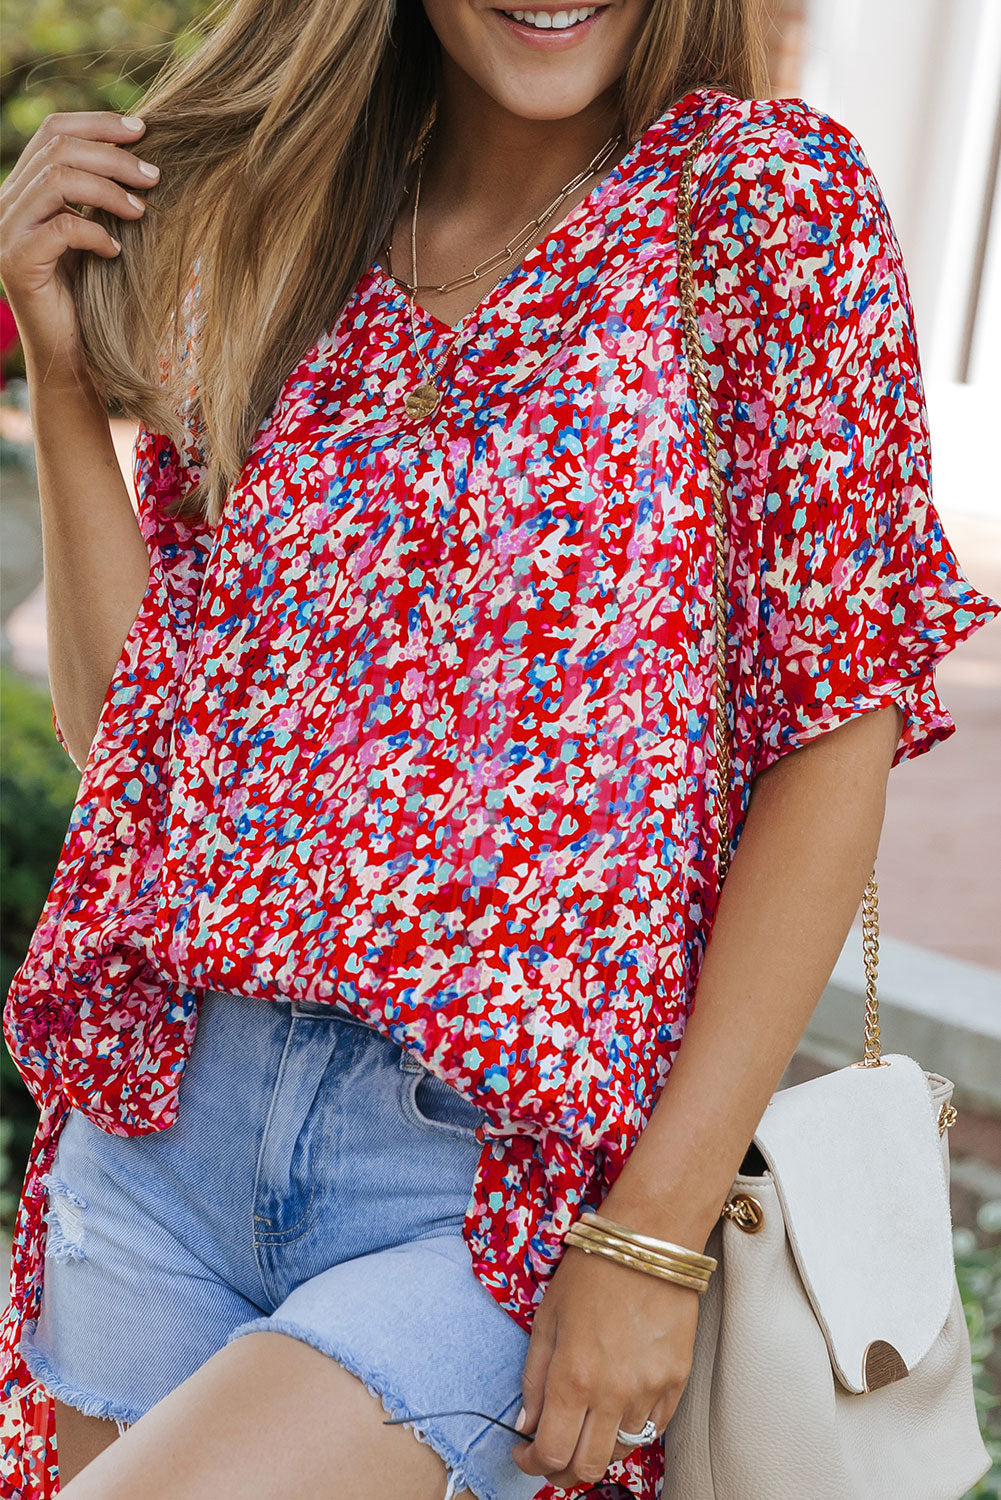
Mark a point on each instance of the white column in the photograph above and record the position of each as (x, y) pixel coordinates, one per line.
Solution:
(918, 82)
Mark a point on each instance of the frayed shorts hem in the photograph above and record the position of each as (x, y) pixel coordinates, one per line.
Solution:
(377, 1385)
(85, 1402)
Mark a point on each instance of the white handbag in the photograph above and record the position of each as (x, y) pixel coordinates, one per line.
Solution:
(831, 1359)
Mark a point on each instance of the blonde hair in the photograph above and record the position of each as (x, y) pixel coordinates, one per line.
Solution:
(284, 141)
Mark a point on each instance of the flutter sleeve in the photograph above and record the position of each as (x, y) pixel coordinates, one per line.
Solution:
(852, 591)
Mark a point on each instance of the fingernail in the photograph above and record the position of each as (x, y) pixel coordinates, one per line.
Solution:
(149, 169)
(132, 122)
(117, 243)
(519, 1420)
(136, 202)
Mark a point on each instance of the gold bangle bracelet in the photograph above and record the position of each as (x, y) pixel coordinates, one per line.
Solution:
(681, 1260)
(638, 1265)
(644, 1259)
(647, 1241)
(654, 1257)
(677, 1277)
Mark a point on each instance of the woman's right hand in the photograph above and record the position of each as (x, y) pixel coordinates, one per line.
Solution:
(81, 158)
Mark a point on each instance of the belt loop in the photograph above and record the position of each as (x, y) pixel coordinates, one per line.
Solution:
(323, 1010)
(317, 1010)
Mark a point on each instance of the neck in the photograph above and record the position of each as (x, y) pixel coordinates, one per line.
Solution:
(486, 168)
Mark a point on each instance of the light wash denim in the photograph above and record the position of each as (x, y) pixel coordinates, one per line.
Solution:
(314, 1182)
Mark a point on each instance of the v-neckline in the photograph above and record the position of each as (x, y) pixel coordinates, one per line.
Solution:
(538, 251)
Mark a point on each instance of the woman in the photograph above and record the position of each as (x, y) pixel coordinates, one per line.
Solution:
(385, 903)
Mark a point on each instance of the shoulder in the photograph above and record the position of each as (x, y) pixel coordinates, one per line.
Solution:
(777, 185)
(771, 137)
(801, 293)
(785, 169)
(791, 232)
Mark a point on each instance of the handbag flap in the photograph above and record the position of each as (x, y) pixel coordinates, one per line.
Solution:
(857, 1162)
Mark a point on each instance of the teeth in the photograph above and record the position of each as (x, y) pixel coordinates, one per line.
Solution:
(548, 20)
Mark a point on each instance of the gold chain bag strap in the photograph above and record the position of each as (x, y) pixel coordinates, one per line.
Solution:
(836, 1276)
(700, 380)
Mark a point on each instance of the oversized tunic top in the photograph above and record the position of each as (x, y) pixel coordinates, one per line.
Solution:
(424, 727)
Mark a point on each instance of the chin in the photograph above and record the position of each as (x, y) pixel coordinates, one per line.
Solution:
(547, 73)
(530, 101)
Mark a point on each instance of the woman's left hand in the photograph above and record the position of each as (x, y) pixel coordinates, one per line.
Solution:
(610, 1347)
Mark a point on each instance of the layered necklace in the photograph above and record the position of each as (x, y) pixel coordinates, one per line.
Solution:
(422, 400)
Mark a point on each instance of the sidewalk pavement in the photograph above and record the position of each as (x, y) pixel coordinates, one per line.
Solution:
(939, 866)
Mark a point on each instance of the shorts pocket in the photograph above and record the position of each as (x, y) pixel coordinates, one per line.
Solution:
(429, 1102)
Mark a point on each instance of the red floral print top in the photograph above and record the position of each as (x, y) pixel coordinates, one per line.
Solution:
(425, 725)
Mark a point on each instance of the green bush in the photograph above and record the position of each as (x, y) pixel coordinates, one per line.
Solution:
(90, 54)
(38, 785)
(978, 1269)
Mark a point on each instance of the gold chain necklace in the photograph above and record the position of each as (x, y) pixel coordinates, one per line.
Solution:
(423, 399)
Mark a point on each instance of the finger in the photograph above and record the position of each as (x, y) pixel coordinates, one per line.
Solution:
(631, 1421)
(85, 124)
(558, 1430)
(103, 158)
(71, 231)
(534, 1373)
(595, 1450)
(55, 185)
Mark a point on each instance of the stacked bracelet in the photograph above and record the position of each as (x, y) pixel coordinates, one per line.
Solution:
(599, 1236)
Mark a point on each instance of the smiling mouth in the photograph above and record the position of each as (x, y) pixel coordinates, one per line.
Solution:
(554, 20)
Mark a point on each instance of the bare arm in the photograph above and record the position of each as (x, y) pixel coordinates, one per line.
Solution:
(95, 563)
(805, 853)
(94, 558)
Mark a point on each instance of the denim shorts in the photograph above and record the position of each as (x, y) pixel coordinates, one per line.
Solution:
(314, 1183)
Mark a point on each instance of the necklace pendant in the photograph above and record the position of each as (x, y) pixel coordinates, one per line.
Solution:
(421, 401)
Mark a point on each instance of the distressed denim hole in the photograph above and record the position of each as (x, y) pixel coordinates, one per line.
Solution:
(65, 1238)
